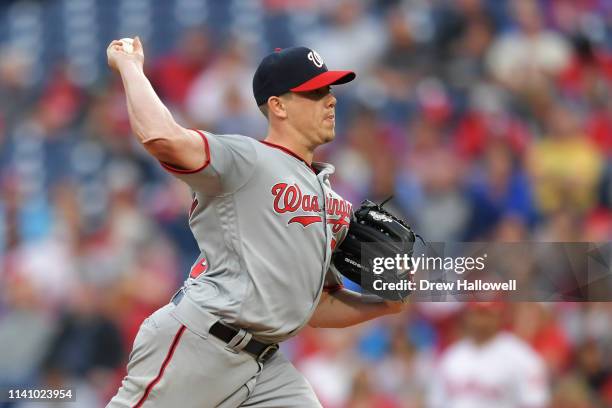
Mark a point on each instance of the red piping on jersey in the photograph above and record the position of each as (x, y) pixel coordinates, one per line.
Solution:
(284, 149)
(206, 163)
(333, 288)
(333, 244)
(152, 384)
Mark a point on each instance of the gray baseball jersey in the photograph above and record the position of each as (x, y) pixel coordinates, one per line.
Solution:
(266, 224)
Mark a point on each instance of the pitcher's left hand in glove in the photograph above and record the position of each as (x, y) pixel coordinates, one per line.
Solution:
(383, 236)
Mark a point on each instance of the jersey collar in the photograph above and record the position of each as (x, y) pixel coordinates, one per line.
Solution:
(323, 169)
(289, 152)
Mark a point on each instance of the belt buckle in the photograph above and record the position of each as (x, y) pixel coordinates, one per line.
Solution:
(267, 353)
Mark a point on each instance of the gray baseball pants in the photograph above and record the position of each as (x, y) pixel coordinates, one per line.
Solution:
(176, 363)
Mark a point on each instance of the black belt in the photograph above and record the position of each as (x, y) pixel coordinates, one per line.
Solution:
(261, 351)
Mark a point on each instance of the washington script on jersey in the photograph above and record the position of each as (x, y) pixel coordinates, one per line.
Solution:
(289, 198)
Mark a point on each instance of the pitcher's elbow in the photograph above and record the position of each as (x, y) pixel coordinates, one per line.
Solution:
(159, 147)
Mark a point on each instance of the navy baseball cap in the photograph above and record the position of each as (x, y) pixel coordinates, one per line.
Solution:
(295, 69)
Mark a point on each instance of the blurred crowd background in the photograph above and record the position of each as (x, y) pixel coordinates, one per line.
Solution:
(488, 120)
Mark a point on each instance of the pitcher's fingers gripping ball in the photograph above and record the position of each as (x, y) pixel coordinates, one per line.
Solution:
(124, 51)
(128, 45)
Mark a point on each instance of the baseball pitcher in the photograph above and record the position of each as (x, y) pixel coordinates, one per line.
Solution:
(266, 221)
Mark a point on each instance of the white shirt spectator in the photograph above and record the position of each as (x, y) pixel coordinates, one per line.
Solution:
(516, 57)
(337, 43)
(218, 98)
(503, 373)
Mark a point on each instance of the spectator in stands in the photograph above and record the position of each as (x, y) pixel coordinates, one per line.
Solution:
(404, 61)
(436, 190)
(537, 324)
(524, 58)
(26, 328)
(565, 167)
(364, 394)
(218, 98)
(500, 189)
(348, 23)
(87, 347)
(16, 68)
(173, 74)
(595, 369)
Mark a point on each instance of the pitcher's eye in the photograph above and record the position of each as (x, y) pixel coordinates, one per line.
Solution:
(324, 91)
(321, 92)
(316, 94)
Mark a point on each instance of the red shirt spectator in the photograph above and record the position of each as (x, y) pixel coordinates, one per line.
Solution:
(174, 73)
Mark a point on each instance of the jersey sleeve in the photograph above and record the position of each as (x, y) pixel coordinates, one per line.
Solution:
(230, 163)
(333, 280)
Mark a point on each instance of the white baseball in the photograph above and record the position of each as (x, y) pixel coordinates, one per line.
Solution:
(128, 45)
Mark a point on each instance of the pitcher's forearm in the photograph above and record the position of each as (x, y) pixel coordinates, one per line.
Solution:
(149, 118)
(151, 121)
(346, 308)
